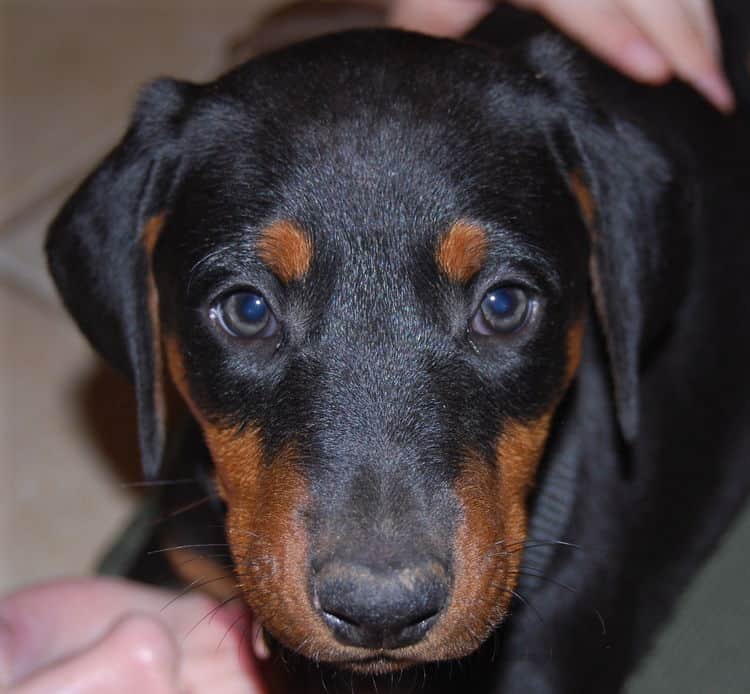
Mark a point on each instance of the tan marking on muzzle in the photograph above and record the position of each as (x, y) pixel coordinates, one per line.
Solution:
(268, 538)
(492, 494)
(193, 569)
(266, 500)
(489, 541)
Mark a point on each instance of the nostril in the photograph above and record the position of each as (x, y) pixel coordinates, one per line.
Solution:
(422, 618)
(347, 620)
(380, 608)
(340, 617)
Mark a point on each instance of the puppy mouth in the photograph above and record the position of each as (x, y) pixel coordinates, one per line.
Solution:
(260, 641)
(266, 647)
(377, 664)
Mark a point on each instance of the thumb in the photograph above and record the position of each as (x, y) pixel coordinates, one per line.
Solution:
(137, 655)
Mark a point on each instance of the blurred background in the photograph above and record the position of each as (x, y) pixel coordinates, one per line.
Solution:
(69, 73)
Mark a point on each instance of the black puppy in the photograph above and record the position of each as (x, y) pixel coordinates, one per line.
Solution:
(462, 328)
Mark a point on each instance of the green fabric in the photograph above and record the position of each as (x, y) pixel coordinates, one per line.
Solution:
(705, 648)
(132, 541)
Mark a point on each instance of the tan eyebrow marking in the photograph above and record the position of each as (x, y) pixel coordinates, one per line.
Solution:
(462, 251)
(286, 249)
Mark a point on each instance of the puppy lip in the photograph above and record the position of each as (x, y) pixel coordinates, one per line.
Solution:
(261, 649)
(380, 663)
(357, 656)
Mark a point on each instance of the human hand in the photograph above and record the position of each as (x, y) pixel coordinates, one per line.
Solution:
(109, 636)
(649, 40)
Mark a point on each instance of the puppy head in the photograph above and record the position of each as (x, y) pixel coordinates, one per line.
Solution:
(363, 263)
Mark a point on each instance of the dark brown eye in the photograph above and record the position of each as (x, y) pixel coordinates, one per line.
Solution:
(245, 314)
(504, 309)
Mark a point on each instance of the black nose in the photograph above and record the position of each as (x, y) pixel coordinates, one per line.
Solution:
(380, 608)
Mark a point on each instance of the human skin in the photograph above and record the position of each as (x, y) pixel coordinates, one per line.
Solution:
(110, 636)
(648, 40)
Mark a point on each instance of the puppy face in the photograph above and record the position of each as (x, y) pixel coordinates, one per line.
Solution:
(374, 310)
(364, 267)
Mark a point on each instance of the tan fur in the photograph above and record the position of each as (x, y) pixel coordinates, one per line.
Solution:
(587, 206)
(149, 239)
(267, 500)
(265, 529)
(286, 249)
(488, 544)
(574, 345)
(462, 251)
(203, 573)
(584, 196)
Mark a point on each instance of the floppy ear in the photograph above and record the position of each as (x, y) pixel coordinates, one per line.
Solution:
(98, 249)
(618, 190)
(625, 188)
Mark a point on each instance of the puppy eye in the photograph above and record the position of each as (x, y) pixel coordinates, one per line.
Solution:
(504, 310)
(245, 314)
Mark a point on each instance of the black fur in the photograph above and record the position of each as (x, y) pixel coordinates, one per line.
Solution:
(375, 142)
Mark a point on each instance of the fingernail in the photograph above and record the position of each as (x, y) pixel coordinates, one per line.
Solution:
(716, 89)
(645, 61)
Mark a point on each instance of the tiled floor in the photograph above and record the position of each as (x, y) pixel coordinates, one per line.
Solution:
(68, 74)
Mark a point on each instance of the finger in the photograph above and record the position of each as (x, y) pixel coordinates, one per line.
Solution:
(46, 622)
(217, 646)
(137, 655)
(438, 17)
(704, 21)
(608, 32)
(675, 29)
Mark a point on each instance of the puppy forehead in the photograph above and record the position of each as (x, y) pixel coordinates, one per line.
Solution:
(372, 146)
(384, 199)
(347, 111)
